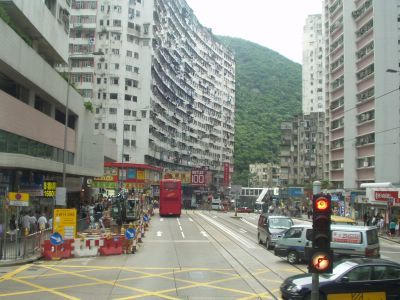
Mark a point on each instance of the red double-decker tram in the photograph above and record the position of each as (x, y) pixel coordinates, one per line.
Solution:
(170, 197)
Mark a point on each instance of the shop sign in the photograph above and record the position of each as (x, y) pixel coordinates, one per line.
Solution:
(226, 174)
(184, 177)
(198, 177)
(18, 199)
(65, 222)
(386, 195)
(49, 189)
(105, 184)
(104, 178)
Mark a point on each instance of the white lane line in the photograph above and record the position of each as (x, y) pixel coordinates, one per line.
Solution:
(190, 219)
(230, 232)
(159, 233)
(178, 221)
(180, 227)
(242, 230)
(204, 233)
(214, 217)
(161, 219)
(249, 223)
(183, 235)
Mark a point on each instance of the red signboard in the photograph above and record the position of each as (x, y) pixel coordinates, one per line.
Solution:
(226, 173)
(198, 177)
(386, 195)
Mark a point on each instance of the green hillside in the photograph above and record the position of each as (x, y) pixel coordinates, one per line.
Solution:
(268, 91)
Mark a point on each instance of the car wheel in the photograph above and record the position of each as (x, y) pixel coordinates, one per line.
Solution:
(292, 257)
(268, 244)
(259, 239)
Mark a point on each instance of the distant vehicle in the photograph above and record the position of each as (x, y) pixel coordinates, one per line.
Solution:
(244, 209)
(216, 204)
(258, 207)
(361, 278)
(271, 228)
(170, 197)
(125, 209)
(347, 241)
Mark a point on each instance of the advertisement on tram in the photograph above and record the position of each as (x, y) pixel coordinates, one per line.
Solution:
(170, 197)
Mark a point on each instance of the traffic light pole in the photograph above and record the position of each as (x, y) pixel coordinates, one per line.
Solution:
(315, 276)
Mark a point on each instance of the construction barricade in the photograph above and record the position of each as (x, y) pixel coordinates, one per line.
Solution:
(112, 246)
(52, 252)
(84, 247)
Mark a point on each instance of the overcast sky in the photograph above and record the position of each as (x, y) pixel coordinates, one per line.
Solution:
(276, 24)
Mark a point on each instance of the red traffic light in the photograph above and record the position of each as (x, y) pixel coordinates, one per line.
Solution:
(322, 204)
(321, 262)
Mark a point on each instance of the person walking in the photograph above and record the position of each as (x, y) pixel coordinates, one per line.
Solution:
(26, 223)
(42, 222)
(13, 227)
(392, 228)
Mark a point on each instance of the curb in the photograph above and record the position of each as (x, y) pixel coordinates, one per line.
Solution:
(10, 263)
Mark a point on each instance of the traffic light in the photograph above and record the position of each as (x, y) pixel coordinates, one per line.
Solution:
(321, 257)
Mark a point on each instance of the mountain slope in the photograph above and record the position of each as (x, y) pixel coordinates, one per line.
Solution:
(268, 91)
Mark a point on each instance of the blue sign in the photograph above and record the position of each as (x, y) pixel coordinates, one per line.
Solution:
(296, 191)
(334, 197)
(56, 239)
(145, 218)
(130, 233)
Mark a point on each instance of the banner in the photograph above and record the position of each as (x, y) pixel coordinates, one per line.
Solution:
(226, 173)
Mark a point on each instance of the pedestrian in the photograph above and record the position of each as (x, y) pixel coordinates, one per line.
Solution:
(32, 223)
(365, 219)
(50, 222)
(13, 227)
(42, 222)
(381, 224)
(26, 224)
(392, 228)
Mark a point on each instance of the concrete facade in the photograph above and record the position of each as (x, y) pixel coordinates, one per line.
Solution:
(362, 99)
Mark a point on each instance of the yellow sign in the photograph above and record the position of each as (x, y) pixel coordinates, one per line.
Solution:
(18, 199)
(104, 178)
(64, 222)
(49, 189)
(140, 174)
(358, 296)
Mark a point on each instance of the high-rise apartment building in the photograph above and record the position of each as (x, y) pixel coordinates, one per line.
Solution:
(264, 175)
(312, 69)
(35, 132)
(362, 98)
(164, 90)
(302, 141)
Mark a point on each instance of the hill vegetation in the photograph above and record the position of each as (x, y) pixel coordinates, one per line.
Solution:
(268, 91)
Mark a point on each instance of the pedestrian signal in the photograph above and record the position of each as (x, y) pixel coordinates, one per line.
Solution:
(321, 261)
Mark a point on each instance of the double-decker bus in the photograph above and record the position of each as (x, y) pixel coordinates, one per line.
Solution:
(170, 197)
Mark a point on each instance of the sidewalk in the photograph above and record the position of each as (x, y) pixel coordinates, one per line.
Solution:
(395, 239)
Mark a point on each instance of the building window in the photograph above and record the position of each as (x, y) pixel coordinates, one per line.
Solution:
(112, 111)
(112, 126)
(114, 96)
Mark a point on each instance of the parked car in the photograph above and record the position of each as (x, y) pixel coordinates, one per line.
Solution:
(347, 241)
(271, 228)
(244, 209)
(365, 278)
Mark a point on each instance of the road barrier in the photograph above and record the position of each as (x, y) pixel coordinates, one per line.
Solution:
(52, 252)
(85, 247)
(112, 246)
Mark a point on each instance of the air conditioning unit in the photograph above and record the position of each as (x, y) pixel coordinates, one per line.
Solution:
(366, 163)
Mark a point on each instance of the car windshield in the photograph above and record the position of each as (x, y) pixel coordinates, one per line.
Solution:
(280, 223)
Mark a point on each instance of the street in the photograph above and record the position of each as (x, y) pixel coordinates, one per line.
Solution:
(202, 255)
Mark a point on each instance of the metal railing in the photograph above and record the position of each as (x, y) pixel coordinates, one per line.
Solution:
(22, 247)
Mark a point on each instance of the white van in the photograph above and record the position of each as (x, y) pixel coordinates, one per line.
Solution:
(216, 204)
(347, 241)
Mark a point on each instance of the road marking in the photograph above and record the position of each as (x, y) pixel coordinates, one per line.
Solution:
(190, 219)
(249, 223)
(159, 233)
(230, 232)
(10, 275)
(204, 233)
(183, 235)
(180, 227)
(242, 230)
(178, 221)
(161, 220)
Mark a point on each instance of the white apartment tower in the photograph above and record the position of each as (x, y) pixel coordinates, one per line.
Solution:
(362, 98)
(312, 70)
(164, 90)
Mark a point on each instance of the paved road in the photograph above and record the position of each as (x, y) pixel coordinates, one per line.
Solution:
(201, 255)
(389, 249)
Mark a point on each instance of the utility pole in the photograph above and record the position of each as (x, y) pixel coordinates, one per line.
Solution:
(315, 276)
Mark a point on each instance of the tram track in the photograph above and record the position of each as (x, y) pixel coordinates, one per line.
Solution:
(249, 247)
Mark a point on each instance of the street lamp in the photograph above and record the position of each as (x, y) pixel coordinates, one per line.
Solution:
(64, 169)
